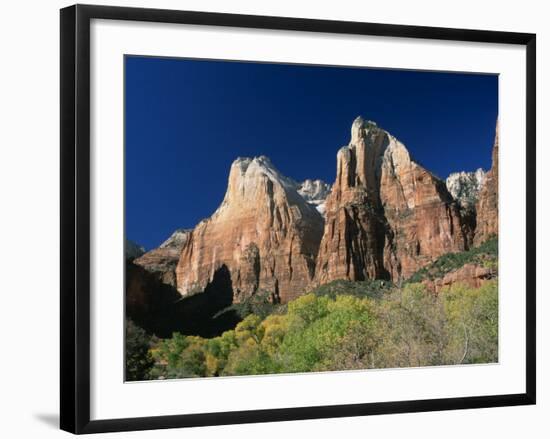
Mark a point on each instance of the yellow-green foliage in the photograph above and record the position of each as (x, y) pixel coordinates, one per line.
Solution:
(473, 323)
(485, 254)
(400, 328)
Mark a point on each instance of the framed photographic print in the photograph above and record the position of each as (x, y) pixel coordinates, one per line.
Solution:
(268, 218)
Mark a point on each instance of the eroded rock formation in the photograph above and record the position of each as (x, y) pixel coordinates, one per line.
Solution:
(315, 192)
(386, 216)
(487, 204)
(163, 260)
(264, 232)
(466, 186)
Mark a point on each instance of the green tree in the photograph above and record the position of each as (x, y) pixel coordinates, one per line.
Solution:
(138, 358)
(401, 327)
(412, 327)
(473, 323)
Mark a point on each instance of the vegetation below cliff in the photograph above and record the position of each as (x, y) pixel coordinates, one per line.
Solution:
(340, 326)
(485, 255)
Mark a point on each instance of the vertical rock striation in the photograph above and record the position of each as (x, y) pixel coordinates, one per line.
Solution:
(465, 187)
(315, 192)
(386, 216)
(264, 232)
(162, 261)
(487, 204)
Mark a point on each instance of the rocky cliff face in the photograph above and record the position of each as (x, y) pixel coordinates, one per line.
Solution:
(465, 187)
(487, 204)
(386, 215)
(163, 260)
(264, 234)
(315, 192)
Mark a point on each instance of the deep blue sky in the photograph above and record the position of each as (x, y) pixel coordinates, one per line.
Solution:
(187, 120)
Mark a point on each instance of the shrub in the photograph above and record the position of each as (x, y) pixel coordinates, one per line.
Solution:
(486, 254)
(139, 361)
(400, 328)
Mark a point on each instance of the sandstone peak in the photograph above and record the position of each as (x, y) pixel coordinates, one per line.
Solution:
(250, 179)
(265, 235)
(176, 239)
(360, 127)
(386, 215)
(253, 167)
(371, 149)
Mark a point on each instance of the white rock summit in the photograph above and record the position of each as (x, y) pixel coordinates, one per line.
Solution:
(465, 186)
(315, 192)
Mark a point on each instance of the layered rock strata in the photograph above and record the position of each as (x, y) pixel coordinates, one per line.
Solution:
(487, 204)
(162, 261)
(264, 232)
(465, 187)
(386, 215)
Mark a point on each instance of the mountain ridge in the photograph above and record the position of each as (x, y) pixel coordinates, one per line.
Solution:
(384, 217)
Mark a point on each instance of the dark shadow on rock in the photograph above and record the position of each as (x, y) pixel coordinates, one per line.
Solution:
(161, 310)
(49, 419)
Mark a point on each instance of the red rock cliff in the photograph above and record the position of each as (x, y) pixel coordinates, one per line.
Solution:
(264, 233)
(162, 261)
(386, 216)
(487, 204)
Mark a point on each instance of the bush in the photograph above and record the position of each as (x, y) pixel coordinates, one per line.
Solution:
(325, 331)
(139, 361)
(486, 254)
(260, 304)
(473, 323)
(371, 288)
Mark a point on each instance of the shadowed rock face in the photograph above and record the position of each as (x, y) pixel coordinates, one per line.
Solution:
(264, 232)
(487, 204)
(386, 216)
(159, 308)
(162, 261)
(132, 250)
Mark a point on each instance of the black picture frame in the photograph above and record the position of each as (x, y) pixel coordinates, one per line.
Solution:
(75, 217)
